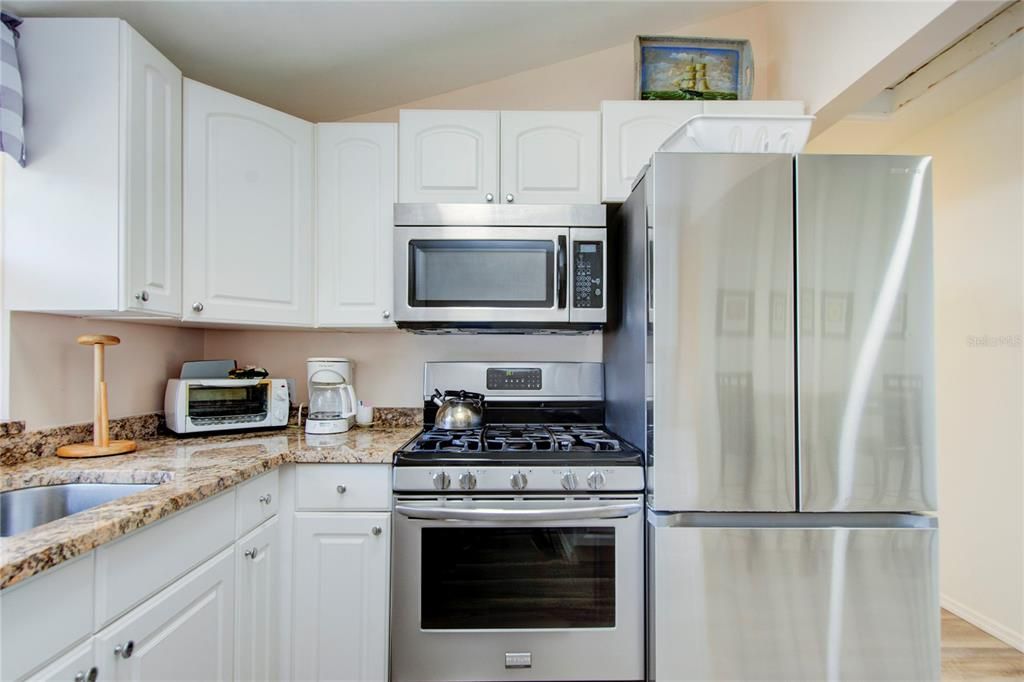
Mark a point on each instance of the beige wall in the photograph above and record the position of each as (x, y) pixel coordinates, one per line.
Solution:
(583, 82)
(51, 375)
(979, 249)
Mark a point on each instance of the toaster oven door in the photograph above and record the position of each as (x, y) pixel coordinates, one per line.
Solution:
(223, 402)
(481, 274)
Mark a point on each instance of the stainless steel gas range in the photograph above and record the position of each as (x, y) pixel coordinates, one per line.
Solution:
(518, 548)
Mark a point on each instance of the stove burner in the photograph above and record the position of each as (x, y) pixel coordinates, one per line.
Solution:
(519, 438)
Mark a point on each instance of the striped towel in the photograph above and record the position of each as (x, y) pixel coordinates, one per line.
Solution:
(12, 130)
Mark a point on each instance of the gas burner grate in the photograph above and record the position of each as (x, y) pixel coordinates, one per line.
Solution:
(519, 438)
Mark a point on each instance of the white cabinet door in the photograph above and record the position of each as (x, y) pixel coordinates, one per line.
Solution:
(340, 596)
(185, 632)
(550, 157)
(248, 211)
(257, 570)
(152, 212)
(77, 665)
(356, 185)
(447, 156)
(630, 132)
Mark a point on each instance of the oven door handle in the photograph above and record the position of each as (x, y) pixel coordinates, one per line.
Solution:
(610, 511)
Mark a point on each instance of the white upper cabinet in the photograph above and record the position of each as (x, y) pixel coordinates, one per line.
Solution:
(93, 223)
(356, 191)
(248, 211)
(550, 157)
(448, 156)
(633, 130)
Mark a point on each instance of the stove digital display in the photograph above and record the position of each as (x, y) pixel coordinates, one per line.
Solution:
(513, 379)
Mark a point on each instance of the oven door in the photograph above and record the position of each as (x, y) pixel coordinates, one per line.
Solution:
(545, 588)
(481, 275)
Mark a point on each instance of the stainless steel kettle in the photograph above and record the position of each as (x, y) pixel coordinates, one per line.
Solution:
(458, 410)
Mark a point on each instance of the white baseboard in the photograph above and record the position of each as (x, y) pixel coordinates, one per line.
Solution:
(997, 630)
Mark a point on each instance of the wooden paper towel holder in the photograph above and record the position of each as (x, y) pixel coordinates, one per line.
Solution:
(101, 444)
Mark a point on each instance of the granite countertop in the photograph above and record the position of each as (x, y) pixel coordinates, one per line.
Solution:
(188, 470)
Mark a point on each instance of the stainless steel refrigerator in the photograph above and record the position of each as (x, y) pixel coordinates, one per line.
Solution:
(773, 354)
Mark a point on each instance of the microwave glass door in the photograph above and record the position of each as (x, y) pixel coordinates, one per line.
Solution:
(489, 273)
(492, 578)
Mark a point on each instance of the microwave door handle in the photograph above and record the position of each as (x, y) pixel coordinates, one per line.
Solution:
(611, 511)
(561, 274)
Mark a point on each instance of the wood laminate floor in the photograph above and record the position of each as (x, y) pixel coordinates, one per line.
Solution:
(972, 654)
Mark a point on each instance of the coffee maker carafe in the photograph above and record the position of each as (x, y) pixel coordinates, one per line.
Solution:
(332, 399)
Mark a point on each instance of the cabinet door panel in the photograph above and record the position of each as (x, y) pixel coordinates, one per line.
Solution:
(257, 563)
(185, 632)
(448, 156)
(550, 157)
(248, 211)
(356, 186)
(630, 133)
(78, 661)
(152, 179)
(340, 598)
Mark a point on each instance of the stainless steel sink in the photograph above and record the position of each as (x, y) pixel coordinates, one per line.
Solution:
(24, 509)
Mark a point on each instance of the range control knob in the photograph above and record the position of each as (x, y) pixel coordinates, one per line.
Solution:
(595, 480)
(570, 480)
(442, 481)
(467, 481)
(518, 480)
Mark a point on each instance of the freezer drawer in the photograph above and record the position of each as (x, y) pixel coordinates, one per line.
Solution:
(812, 597)
(865, 334)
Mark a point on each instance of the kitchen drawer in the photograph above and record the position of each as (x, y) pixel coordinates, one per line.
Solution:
(363, 487)
(255, 501)
(131, 569)
(45, 615)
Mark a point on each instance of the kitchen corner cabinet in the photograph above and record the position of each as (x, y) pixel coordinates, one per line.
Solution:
(248, 211)
(185, 632)
(633, 130)
(257, 571)
(357, 180)
(448, 156)
(93, 223)
(340, 596)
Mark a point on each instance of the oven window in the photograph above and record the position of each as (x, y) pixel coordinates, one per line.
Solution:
(504, 578)
(488, 273)
(226, 401)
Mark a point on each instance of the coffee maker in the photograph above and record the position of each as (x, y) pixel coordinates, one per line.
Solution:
(332, 399)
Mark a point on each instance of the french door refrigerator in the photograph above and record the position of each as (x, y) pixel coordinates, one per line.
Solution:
(773, 355)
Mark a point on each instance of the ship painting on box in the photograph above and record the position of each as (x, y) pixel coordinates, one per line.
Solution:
(693, 68)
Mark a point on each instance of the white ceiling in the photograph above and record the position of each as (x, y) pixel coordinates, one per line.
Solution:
(330, 59)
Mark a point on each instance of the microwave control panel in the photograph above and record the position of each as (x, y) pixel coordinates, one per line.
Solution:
(588, 275)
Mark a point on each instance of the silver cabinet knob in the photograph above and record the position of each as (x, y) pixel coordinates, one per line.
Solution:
(142, 296)
(442, 481)
(596, 480)
(489, 197)
(251, 553)
(341, 489)
(467, 481)
(386, 314)
(197, 306)
(265, 499)
(570, 480)
(518, 480)
(125, 650)
(376, 530)
(87, 676)
(509, 198)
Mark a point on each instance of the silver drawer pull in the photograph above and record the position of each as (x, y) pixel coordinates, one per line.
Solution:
(251, 553)
(341, 489)
(265, 499)
(83, 676)
(376, 530)
(125, 650)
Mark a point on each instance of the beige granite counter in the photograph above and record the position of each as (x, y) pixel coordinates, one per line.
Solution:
(188, 470)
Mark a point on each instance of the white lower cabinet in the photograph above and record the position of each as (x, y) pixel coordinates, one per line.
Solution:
(257, 599)
(340, 596)
(185, 632)
(77, 665)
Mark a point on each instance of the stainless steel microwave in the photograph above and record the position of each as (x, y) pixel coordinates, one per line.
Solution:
(500, 268)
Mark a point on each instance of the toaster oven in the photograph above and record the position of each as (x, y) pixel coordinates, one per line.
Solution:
(205, 405)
